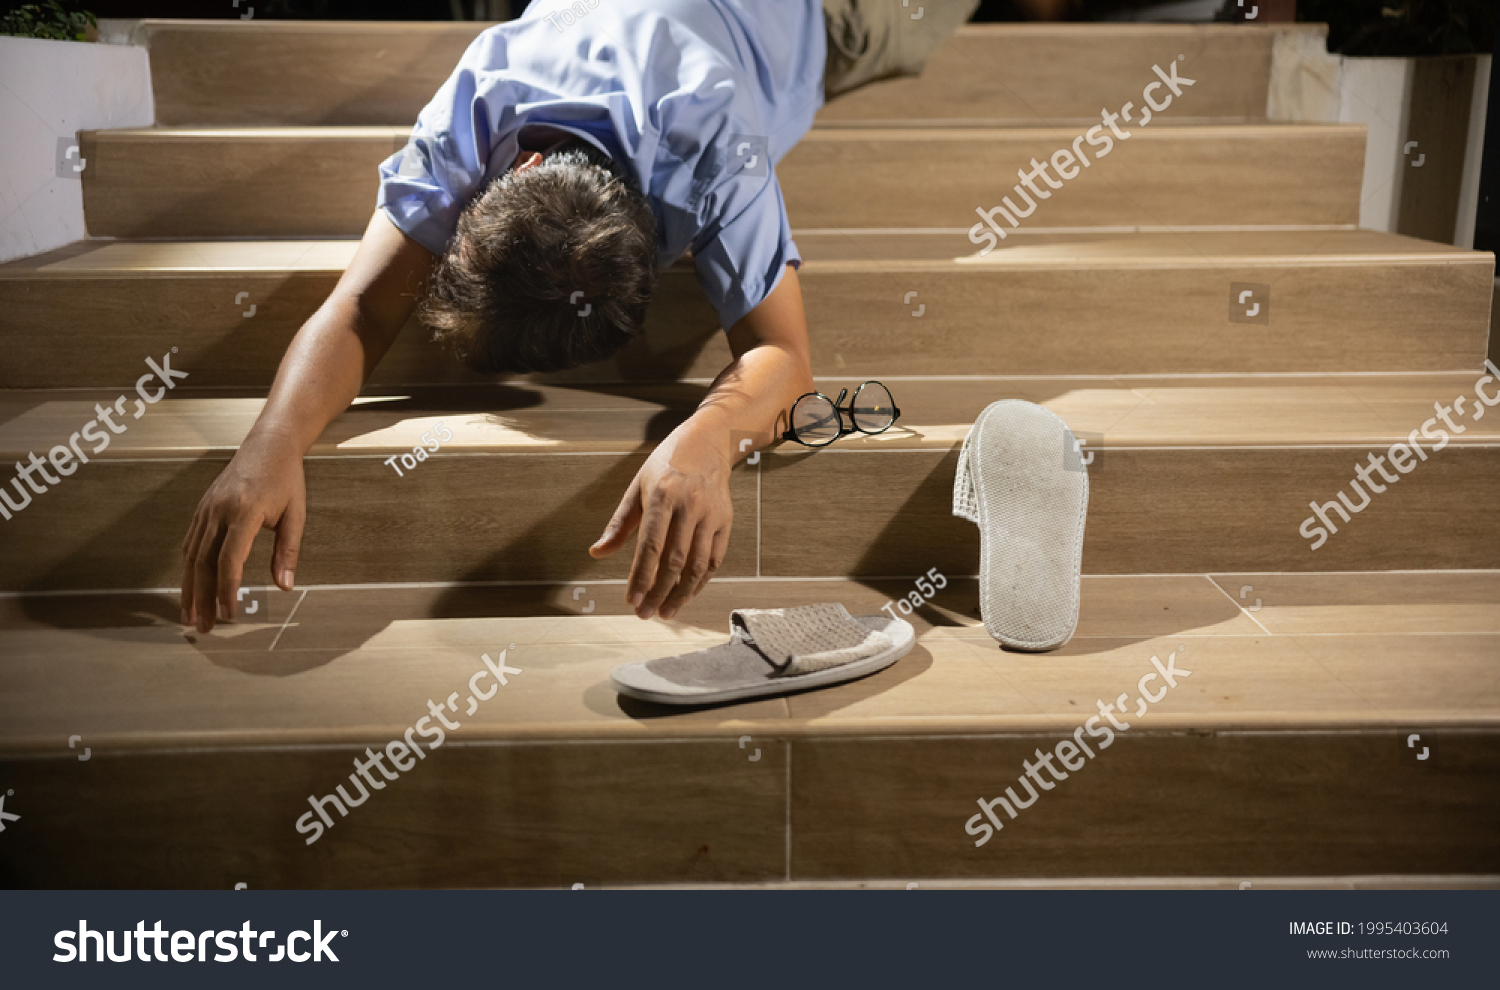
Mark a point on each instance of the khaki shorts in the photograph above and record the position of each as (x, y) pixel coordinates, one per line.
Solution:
(881, 39)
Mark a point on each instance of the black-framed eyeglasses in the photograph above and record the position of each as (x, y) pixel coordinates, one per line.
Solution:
(818, 421)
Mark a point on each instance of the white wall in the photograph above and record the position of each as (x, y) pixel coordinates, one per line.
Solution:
(1310, 85)
(1376, 92)
(49, 91)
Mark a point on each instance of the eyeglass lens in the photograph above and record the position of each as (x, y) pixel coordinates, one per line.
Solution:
(874, 410)
(815, 420)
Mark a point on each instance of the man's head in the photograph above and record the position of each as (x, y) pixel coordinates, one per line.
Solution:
(553, 238)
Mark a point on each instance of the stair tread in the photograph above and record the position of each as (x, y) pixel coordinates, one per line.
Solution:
(1394, 881)
(154, 182)
(1323, 651)
(383, 72)
(1109, 29)
(321, 132)
(838, 135)
(998, 73)
(1146, 412)
(395, 29)
(853, 250)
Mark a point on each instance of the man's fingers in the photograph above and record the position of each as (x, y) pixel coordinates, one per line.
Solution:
(675, 553)
(288, 543)
(715, 560)
(205, 574)
(627, 516)
(694, 573)
(655, 526)
(237, 542)
(194, 531)
(189, 555)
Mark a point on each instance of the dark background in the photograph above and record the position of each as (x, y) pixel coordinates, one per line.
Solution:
(1356, 27)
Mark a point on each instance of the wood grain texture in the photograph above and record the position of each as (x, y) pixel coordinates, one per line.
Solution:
(205, 749)
(1442, 90)
(1239, 805)
(488, 517)
(1283, 753)
(1266, 174)
(1128, 413)
(122, 670)
(149, 312)
(1150, 511)
(493, 816)
(1494, 346)
(1189, 475)
(269, 72)
(1340, 300)
(1317, 604)
(555, 815)
(300, 72)
(321, 182)
(1414, 881)
(1033, 74)
(258, 182)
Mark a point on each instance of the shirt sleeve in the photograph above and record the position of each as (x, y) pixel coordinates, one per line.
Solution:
(743, 259)
(425, 186)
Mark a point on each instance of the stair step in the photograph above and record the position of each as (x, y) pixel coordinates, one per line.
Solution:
(266, 72)
(1300, 711)
(322, 181)
(1189, 474)
(273, 72)
(1439, 881)
(1258, 174)
(881, 304)
(1020, 74)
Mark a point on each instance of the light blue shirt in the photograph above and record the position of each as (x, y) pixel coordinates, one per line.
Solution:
(697, 98)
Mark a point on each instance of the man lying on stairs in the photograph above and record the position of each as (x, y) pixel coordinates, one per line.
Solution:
(570, 155)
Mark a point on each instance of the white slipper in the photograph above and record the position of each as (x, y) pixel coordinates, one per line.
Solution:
(1022, 479)
(772, 651)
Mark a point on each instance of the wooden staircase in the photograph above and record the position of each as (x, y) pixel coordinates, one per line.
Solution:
(1285, 753)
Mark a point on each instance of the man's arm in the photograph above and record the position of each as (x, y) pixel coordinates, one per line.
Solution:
(328, 361)
(680, 497)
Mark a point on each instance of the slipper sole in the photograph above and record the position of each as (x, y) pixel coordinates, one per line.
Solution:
(1031, 491)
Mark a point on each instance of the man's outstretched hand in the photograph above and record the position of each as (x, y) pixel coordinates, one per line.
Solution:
(680, 502)
(261, 488)
(679, 499)
(322, 372)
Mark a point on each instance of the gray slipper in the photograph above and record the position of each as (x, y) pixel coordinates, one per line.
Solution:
(772, 651)
(1022, 479)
